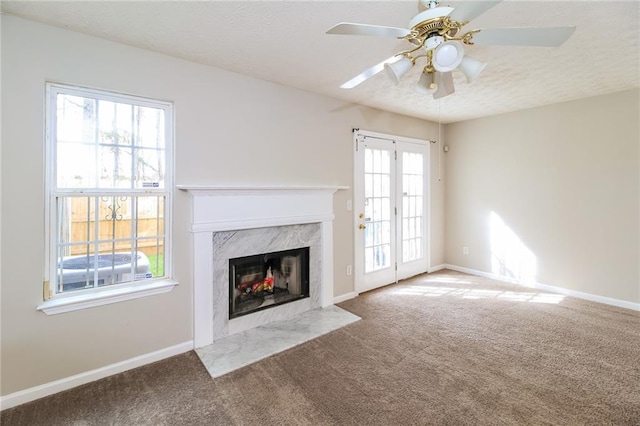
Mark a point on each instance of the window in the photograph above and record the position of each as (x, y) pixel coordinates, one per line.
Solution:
(109, 188)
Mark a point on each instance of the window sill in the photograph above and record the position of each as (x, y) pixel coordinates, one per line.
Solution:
(61, 305)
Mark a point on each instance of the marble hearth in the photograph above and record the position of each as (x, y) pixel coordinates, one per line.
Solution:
(229, 222)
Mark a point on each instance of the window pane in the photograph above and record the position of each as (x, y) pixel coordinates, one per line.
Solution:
(108, 240)
(106, 144)
(116, 126)
(109, 146)
(76, 165)
(76, 119)
(149, 171)
(149, 123)
(115, 167)
(91, 270)
(76, 272)
(81, 222)
(150, 216)
(155, 254)
(114, 225)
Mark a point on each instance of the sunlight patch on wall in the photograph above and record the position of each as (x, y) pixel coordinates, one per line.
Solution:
(510, 257)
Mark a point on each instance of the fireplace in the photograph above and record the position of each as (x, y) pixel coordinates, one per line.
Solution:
(266, 280)
(230, 222)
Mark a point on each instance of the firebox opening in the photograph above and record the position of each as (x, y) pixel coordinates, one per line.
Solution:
(265, 280)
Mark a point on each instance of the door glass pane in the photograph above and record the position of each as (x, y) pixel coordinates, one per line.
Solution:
(377, 189)
(377, 209)
(377, 159)
(368, 235)
(368, 185)
(368, 210)
(412, 212)
(368, 258)
(385, 162)
(368, 161)
(377, 238)
(377, 234)
(386, 210)
(386, 232)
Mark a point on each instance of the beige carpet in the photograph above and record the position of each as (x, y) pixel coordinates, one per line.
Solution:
(439, 349)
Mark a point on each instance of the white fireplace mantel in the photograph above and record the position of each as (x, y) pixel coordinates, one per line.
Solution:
(222, 208)
(226, 208)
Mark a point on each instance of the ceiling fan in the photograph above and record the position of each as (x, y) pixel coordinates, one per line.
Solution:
(436, 35)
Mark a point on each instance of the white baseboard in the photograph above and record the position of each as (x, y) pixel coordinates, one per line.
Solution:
(344, 297)
(40, 391)
(437, 268)
(550, 288)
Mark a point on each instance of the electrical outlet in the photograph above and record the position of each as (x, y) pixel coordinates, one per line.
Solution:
(349, 205)
(349, 269)
(465, 250)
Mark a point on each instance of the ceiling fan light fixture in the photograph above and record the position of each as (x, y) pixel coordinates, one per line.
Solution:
(448, 56)
(433, 42)
(471, 68)
(396, 70)
(426, 84)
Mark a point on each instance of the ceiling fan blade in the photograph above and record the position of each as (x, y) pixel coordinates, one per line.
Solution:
(444, 80)
(471, 10)
(533, 36)
(367, 74)
(348, 28)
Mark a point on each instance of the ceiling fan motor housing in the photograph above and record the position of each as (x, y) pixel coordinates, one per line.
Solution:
(430, 20)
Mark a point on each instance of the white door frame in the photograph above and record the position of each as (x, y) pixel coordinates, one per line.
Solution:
(358, 255)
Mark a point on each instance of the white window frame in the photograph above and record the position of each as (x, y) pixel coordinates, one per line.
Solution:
(55, 303)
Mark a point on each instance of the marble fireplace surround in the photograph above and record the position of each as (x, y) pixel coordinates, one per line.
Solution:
(274, 217)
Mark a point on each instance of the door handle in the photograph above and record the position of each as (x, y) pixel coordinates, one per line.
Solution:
(362, 226)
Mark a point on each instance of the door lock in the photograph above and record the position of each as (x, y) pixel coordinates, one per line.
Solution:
(362, 226)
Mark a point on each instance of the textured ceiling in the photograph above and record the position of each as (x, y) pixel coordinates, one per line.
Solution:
(285, 42)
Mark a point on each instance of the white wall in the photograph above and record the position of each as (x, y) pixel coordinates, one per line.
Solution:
(550, 195)
(230, 129)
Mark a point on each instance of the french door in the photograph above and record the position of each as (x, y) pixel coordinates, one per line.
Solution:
(390, 206)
